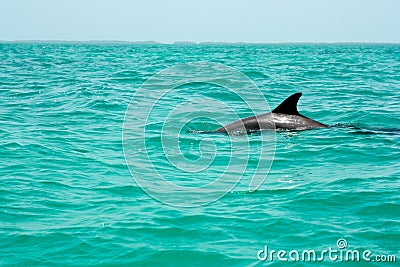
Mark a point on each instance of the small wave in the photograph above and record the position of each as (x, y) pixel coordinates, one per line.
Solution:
(367, 130)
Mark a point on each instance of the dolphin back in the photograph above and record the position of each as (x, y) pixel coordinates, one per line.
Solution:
(283, 117)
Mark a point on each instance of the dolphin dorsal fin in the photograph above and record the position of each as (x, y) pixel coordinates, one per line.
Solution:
(289, 106)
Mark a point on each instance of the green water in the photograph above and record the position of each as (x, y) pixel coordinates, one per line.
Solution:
(67, 196)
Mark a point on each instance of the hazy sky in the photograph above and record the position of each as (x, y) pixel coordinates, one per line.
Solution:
(202, 20)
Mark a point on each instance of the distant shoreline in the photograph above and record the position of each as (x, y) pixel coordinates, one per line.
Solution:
(183, 42)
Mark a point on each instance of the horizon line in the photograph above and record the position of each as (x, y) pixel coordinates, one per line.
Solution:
(189, 42)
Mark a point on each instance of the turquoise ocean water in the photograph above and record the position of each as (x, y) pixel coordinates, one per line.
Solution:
(67, 196)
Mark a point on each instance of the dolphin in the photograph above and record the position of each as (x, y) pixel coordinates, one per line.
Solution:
(284, 117)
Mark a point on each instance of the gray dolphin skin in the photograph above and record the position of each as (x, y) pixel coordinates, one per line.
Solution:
(284, 117)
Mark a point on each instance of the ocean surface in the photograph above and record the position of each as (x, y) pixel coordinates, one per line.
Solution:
(99, 166)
